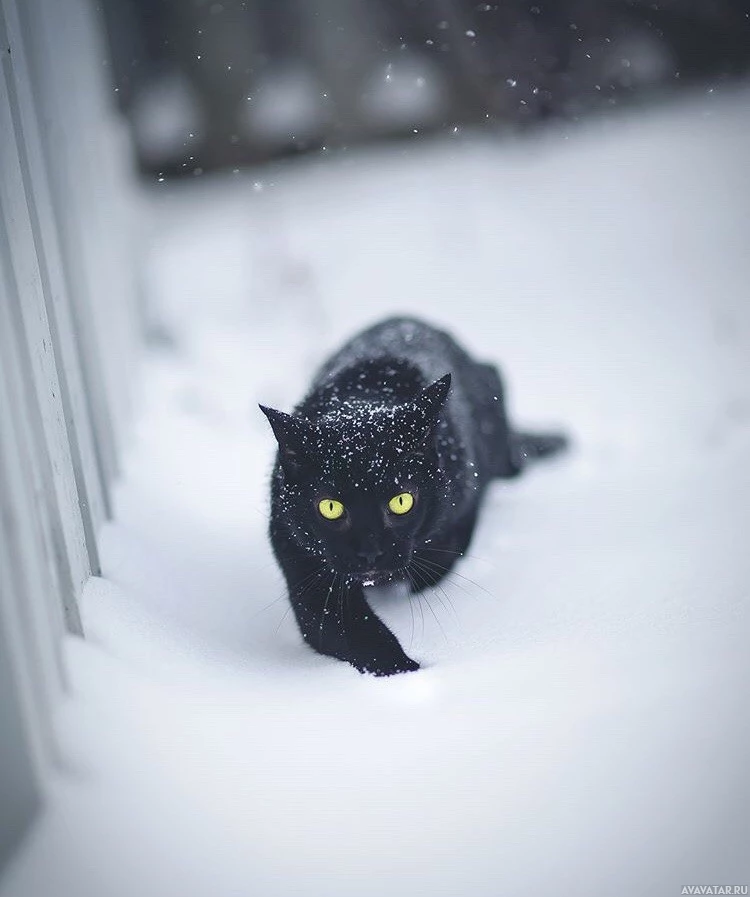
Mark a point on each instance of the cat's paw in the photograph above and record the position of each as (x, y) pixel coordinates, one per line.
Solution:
(386, 666)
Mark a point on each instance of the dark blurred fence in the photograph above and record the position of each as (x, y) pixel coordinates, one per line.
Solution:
(220, 84)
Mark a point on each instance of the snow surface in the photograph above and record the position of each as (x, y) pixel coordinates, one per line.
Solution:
(581, 724)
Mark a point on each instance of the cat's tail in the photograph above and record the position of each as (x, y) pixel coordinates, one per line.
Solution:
(526, 448)
(512, 450)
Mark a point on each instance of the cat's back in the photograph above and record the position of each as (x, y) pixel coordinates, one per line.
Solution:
(408, 343)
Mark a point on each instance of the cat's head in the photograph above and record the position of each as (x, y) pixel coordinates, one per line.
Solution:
(360, 486)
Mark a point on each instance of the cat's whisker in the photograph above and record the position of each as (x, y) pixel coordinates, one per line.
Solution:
(439, 591)
(435, 569)
(325, 604)
(417, 596)
(285, 592)
(423, 578)
(257, 613)
(445, 594)
(411, 611)
(442, 594)
(421, 612)
(448, 574)
(313, 579)
(293, 555)
(309, 581)
(263, 513)
(281, 621)
(461, 554)
(437, 620)
(470, 593)
(475, 584)
(411, 570)
(405, 571)
(451, 572)
(342, 585)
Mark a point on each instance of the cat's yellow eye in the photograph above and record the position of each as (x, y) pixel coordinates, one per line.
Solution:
(331, 509)
(401, 503)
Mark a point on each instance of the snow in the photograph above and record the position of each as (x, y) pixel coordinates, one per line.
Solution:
(581, 723)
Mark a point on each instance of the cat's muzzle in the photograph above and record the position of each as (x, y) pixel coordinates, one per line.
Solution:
(374, 577)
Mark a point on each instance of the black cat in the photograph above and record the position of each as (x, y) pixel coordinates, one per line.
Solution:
(379, 477)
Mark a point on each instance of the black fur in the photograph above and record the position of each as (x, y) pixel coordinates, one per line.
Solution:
(400, 408)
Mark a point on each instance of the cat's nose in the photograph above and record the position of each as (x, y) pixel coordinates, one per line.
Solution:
(369, 555)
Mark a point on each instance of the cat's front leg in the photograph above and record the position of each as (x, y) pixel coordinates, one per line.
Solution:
(373, 647)
(335, 619)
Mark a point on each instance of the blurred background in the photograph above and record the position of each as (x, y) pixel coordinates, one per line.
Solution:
(207, 85)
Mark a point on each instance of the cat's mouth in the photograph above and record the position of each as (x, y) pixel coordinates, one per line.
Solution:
(374, 577)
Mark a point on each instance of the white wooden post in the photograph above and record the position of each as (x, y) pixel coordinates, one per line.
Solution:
(19, 786)
(29, 328)
(90, 483)
(69, 337)
(86, 161)
(31, 673)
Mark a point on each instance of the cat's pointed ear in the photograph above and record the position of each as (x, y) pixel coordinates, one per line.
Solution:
(432, 398)
(292, 434)
(426, 407)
